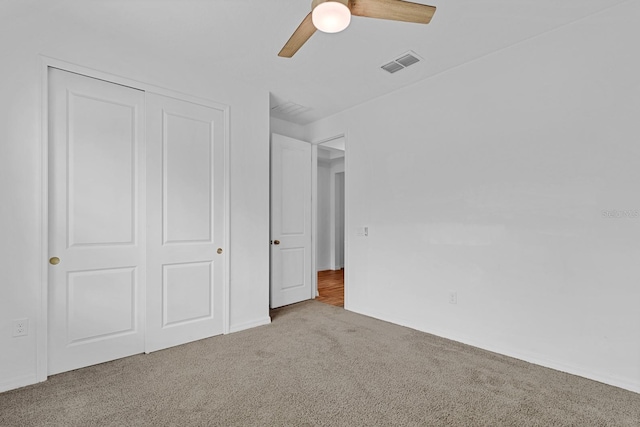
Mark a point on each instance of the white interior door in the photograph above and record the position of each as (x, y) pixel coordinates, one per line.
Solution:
(186, 201)
(96, 179)
(290, 221)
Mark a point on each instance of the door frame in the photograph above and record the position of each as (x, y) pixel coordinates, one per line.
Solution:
(334, 223)
(314, 213)
(42, 317)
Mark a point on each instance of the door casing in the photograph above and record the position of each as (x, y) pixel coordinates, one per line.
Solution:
(314, 213)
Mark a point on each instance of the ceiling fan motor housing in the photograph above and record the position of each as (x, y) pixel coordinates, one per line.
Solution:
(330, 16)
(315, 3)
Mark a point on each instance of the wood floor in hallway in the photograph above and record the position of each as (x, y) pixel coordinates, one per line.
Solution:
(331, 287)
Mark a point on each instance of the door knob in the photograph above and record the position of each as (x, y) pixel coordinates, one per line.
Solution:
(276, 242)
(219, 250)
(54, 261)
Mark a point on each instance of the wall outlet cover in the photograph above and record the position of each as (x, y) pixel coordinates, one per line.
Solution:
(453, 297)
(20, 327)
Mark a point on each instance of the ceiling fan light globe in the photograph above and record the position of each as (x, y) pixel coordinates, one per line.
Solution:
(331, 17)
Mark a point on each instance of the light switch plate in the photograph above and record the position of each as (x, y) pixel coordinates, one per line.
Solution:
(362, 231)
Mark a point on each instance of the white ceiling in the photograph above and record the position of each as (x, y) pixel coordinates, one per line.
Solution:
(331, 72)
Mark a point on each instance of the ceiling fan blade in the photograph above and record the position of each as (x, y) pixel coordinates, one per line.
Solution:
(298, 38)
(396, 10)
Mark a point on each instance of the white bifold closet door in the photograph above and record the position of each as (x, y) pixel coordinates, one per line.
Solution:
(136, 219)
(96, 221)
(186, 248)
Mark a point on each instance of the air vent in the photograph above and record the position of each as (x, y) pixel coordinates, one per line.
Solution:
(407, 60)
(392, 67)
(403, 61)
(290, 109)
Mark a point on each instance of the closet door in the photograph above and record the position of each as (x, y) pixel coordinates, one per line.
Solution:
(96, 221)
(186, 247)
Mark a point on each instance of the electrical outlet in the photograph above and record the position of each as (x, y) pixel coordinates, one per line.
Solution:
(20, 327)
(453, 297)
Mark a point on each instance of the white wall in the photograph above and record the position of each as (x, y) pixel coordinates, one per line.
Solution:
(26, 32)
(339, 219)
(323, 233)
(337, 213)
(491, 180)
(286, 128)
(329, 221)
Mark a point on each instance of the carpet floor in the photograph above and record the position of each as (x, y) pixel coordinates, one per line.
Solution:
(319, 365)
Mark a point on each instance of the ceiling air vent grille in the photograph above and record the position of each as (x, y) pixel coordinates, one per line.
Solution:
(290, 109)
(392, 67)
(407, 60)
(402, 62)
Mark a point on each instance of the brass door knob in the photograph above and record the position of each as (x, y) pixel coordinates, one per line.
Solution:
(219, 250)
(276, 242)
(54, 261)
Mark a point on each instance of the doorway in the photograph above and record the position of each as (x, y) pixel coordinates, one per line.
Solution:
(330, 242)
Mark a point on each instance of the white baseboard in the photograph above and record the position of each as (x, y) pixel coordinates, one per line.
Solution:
(576, 370)
(249, 325)
(18, 382)
(330, 267)
(536, 359)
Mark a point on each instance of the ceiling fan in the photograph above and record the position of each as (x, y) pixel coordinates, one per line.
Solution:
(332, 16)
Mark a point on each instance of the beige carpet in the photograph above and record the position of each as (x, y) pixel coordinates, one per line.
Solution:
(320, 365)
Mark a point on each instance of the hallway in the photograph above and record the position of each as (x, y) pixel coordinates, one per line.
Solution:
(331, 287)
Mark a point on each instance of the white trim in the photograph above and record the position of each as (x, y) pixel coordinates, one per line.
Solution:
(347, 306)
(332, 218)
(226, 299)
(18, 382)
(333, 209)
(42, 316)
(332, 138)
(314, 220)
(314, 209)
(124, 81)
(252, 324)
